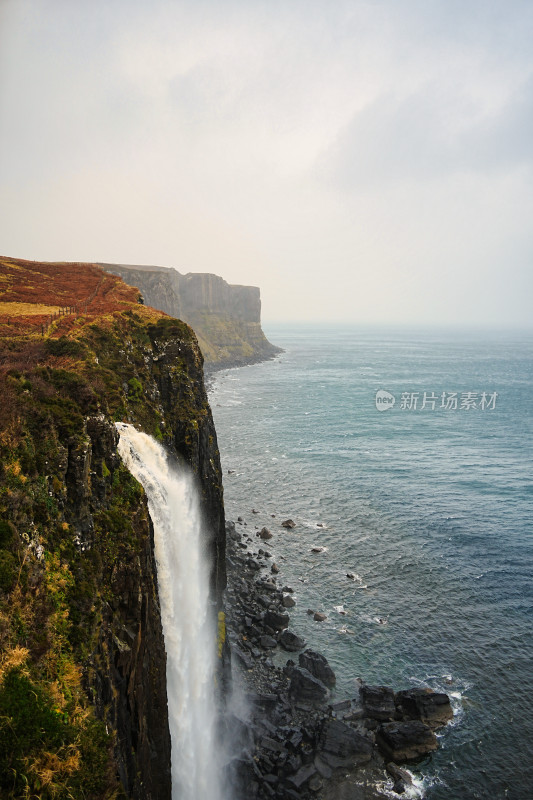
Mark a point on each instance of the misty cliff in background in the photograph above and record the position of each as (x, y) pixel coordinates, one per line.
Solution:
(225, 318)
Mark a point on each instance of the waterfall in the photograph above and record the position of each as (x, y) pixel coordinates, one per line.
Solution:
(184, 596)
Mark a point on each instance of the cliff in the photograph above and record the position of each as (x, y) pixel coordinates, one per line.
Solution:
(225, 318)
(83, 707)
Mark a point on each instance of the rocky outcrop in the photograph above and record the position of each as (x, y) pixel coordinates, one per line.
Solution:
(226, 318)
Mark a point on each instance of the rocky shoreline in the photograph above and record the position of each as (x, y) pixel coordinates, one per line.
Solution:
(285, 736)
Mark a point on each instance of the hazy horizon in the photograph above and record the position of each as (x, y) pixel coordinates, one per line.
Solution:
(367, 163)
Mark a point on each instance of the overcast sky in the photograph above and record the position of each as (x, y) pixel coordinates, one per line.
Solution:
(360, 161)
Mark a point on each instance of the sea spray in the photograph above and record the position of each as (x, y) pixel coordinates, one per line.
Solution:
(187, 625)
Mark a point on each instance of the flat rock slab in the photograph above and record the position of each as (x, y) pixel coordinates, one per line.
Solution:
(405, 741)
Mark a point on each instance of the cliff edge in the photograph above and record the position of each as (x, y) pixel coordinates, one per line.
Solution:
(83, 704)
(226, 318)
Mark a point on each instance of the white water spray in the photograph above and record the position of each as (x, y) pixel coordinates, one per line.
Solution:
(184, 597)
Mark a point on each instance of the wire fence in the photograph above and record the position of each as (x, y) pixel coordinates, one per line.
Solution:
(79, 308)
(82, 307)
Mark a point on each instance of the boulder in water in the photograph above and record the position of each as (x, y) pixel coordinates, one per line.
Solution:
(405, 741)
(431, 707)
(402, 779)
(291, 642)
(288, 523)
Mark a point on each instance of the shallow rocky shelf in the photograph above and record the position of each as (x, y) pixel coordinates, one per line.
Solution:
(289, 740)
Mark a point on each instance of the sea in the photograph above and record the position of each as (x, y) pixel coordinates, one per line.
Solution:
(404, 456)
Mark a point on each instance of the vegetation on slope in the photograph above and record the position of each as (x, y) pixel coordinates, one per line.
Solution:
(57, 555)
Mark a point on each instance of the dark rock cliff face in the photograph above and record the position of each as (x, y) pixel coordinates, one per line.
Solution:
(131, 681)
(225, 318)
(124, 671)
(82, 533)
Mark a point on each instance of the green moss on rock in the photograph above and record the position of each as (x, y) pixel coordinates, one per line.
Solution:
(76, 559)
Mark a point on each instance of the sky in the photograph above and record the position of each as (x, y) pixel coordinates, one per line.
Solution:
(365, 162)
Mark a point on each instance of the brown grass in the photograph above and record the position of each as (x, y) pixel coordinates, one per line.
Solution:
(26, 309)
(31, 291)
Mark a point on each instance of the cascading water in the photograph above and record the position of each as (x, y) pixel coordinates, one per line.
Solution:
(184, 597)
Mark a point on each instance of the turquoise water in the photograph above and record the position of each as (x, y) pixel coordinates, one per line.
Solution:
(430, 509)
